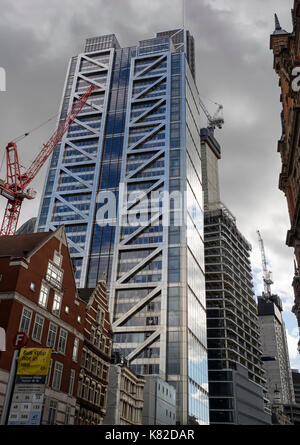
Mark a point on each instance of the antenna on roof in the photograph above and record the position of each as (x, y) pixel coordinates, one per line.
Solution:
(183, 14)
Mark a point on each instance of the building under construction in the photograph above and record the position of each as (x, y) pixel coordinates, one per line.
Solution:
(237, 391)
(274, 346)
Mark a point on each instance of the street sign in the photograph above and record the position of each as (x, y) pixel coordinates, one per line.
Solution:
(34, 361)
(29, 390)
(20, 340)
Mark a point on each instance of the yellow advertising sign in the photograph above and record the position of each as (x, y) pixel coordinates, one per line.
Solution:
(34, 361)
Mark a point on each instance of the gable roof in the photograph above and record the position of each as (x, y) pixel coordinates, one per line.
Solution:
(21, 246)
(88, 294)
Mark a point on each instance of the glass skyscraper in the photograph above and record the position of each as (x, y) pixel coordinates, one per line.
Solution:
(126, 183)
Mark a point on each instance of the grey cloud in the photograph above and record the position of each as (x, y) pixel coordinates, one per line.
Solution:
(234, 67)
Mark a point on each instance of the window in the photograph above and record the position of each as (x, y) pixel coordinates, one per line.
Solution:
(75, 350)
(49, 373)
(56, 304)
(98, 338)
(25, 320)
(32, 286)
(79, 319)
(100, 316)
(67, 414)
(38, 328)
(52, 335)
(57, 375)
(71, 382)
(54, 275)
(57, 259)
(67, 309)
(80, 386)
(44, 293)
(92, 335)
(83, 356)
(52, 412)
(62, 341)
(94, 365)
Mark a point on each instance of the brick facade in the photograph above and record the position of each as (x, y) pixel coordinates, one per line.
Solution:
(286, 50)
(95, 358)
(28, 264)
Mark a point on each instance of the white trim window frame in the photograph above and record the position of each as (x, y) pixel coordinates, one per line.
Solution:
(49, 373)
(25, 321)
(75, 349)
(62, 341)
(71, 382)
(44, 295)
(57, 258)
(52, 412)
(57, 375)
(38, 327)
(56, 306)
(54, 274)
(52, 334)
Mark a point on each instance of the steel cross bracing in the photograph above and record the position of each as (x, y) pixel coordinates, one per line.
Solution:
(14, 189)
(76, 177)
(145, 168)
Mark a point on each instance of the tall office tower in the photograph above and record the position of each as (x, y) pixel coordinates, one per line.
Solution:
(137, 145)
(274, 344)
(236, 377)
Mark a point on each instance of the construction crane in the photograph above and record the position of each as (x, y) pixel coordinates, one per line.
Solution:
(216, 120)
(266, 274)
(15, 187)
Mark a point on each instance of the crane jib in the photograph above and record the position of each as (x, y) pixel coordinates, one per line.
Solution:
(14, 189)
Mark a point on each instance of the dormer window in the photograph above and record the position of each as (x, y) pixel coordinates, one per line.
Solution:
(54, 275)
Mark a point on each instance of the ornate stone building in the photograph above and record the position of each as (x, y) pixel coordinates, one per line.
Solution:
(95, 357)
(286, 49)
(125, 396)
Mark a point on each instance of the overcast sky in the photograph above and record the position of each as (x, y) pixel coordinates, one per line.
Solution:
(234, 67)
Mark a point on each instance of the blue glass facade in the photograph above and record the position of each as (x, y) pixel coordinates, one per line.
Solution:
(139, 139)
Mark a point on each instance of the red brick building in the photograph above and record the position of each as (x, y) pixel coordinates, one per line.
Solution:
(286, 50)
(38, 296)
(95, 357)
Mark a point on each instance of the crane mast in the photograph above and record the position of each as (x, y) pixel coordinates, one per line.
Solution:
(213, 121)
(14, 188)
(266, 274)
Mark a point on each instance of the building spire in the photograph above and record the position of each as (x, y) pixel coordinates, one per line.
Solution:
(277, 24)
(278, 29)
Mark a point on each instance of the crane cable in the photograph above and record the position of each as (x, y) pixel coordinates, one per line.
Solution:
(216, 103)
(19, 138)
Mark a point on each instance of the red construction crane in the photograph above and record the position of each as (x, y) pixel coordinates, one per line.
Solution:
(15, 188)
